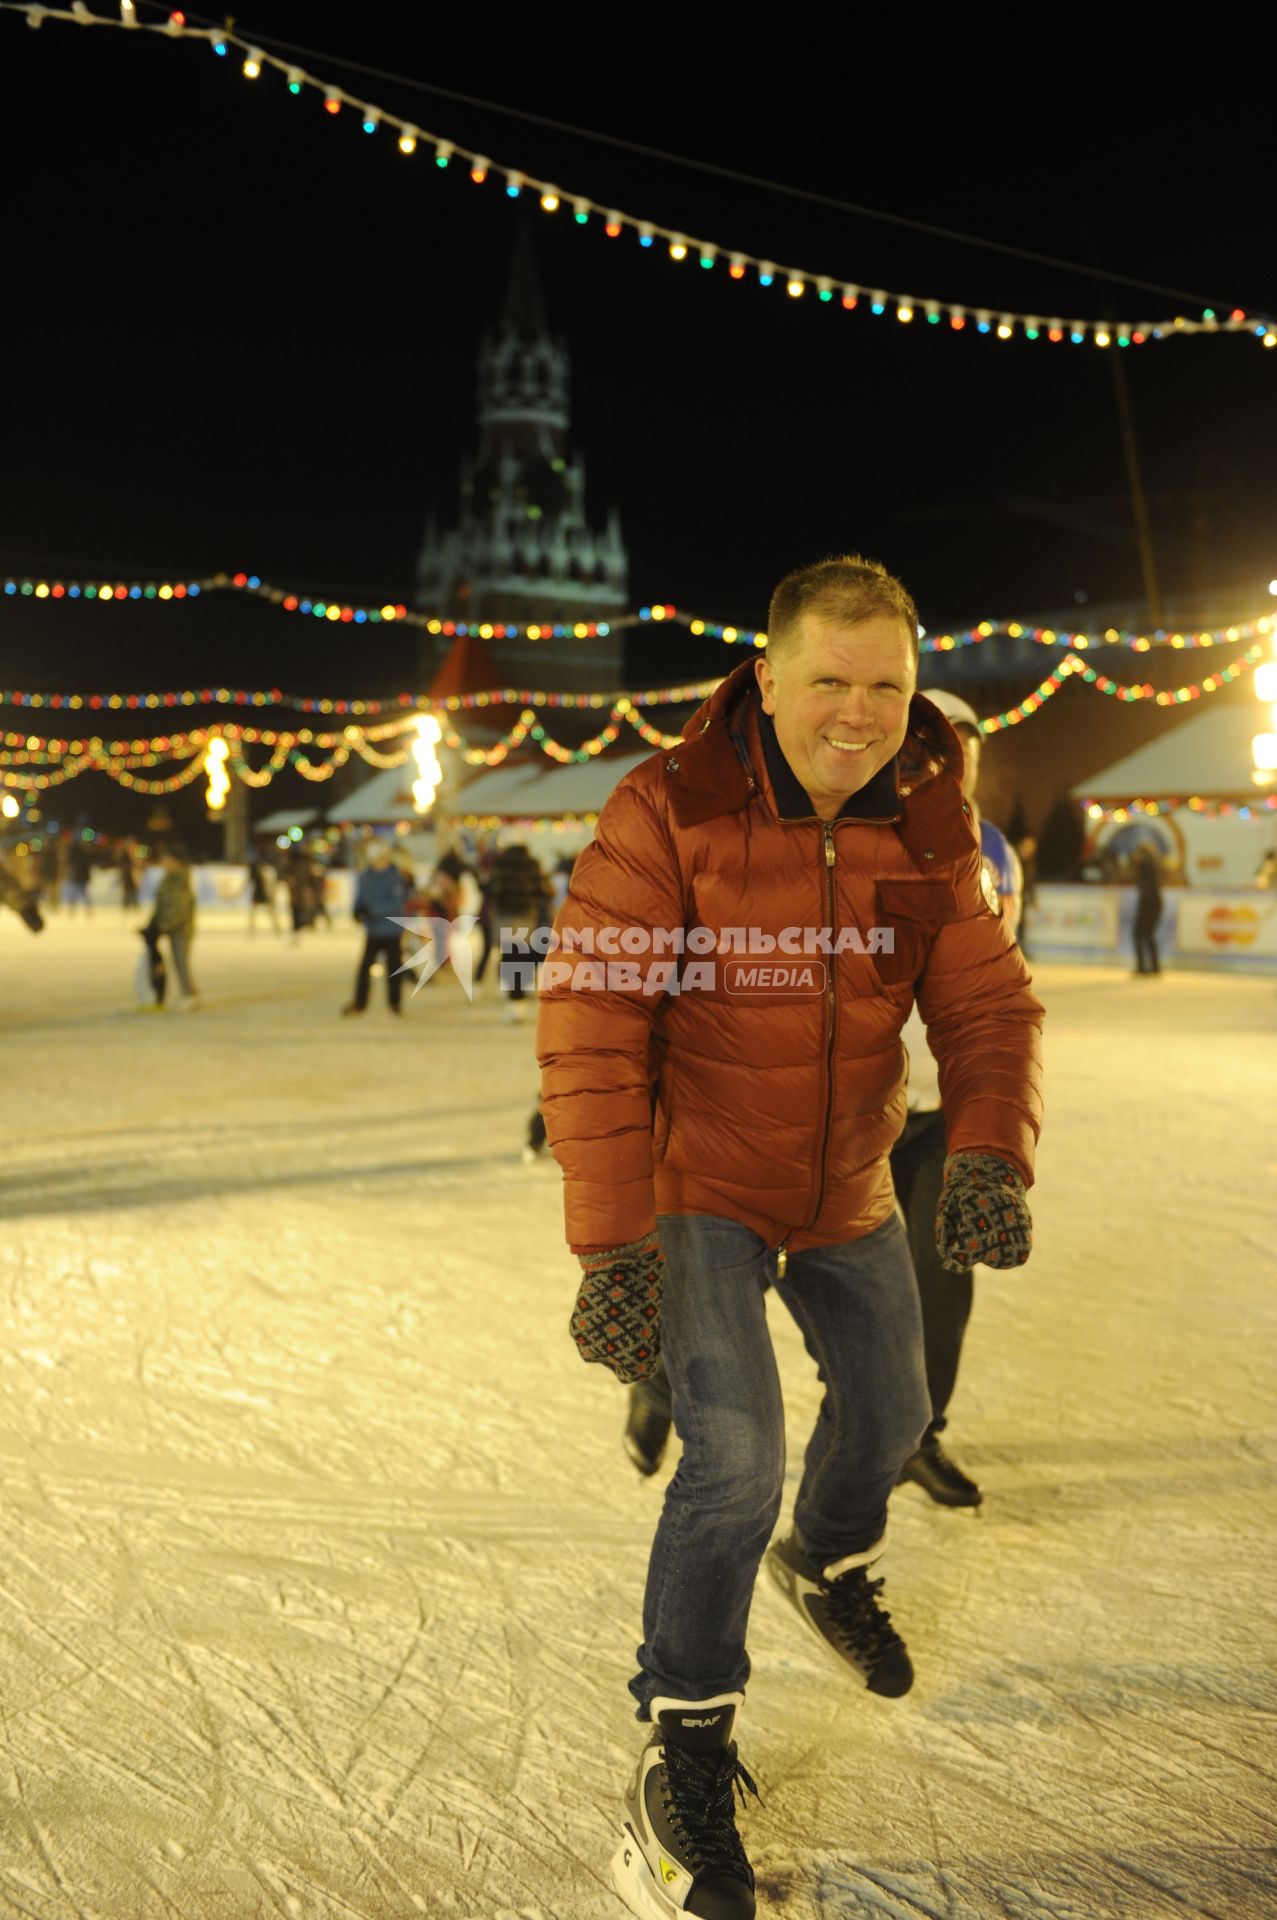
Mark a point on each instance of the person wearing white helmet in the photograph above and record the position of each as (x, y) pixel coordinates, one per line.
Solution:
(917, 1159)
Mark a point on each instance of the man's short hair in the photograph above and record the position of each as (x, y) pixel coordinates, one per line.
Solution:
(845, 587)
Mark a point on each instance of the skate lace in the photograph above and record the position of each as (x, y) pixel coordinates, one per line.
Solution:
(700, 1799)
(854, 1610)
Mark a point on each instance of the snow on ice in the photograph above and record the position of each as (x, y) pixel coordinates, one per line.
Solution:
(320, 1562)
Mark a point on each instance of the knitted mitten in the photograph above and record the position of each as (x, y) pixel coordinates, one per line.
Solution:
(983, 1214)
(617, 1316)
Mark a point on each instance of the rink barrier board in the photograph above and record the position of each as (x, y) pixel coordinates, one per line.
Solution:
(1225, 931)
(1232, 930)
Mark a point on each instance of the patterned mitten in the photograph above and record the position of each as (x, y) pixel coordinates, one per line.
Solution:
(983, 1214)
(617, 1316)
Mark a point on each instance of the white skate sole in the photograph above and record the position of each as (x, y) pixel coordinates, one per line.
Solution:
(635, 1882)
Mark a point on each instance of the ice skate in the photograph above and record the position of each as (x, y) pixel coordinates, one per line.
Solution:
(841, 1605)
(647, 1429)
(679, 1850)
(931, 1468)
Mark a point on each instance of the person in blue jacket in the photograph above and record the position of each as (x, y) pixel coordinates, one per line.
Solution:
(381, 896)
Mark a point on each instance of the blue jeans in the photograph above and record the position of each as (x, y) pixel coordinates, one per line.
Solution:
(857, 1308)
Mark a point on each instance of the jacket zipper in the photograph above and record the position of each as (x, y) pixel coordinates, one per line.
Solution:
(832, 1004)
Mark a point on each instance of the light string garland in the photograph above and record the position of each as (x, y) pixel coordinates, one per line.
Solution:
(1097, 810)
(58, 592)
(1092, 677)
(61, 760)
(992, 322)
(452, 703)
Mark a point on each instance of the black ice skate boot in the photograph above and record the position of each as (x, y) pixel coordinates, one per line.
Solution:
(940, 1476)
(680, 1851)
(647, 1427)
(841, 1605)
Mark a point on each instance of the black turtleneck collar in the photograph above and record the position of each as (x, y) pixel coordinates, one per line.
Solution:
(878, 799)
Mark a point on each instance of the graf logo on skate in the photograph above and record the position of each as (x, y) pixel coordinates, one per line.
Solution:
(441, 941)
(669, 1872)
(712, 1721)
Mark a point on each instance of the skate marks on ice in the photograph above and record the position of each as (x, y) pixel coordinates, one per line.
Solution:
(241, 1720)
(320, 1562)
(1154, 1883)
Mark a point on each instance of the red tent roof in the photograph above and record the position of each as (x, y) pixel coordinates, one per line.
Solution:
(469, 668)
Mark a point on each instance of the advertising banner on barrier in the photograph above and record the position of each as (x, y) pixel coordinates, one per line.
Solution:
(224, 888)
(1071, 918)
(1227, 925)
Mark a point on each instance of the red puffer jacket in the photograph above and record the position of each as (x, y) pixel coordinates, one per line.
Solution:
(774, 1098)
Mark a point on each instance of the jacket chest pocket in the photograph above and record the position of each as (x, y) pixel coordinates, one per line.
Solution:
(909, 915)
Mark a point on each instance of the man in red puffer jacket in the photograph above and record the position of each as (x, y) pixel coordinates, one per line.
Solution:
(723, 1080)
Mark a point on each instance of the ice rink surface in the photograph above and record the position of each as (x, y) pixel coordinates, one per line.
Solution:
(320, 1562)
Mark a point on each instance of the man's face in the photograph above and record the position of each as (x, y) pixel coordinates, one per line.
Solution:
(840, 700)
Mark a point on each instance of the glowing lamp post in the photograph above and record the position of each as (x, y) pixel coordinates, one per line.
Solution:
(1263, 747)
(429, 772)
(219, 780)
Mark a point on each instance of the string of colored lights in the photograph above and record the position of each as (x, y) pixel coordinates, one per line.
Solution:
(1097, 810)
(1162, 697)
(118, 757)
(61, 760)
(995, 323)
(527, 822)
(108, 593)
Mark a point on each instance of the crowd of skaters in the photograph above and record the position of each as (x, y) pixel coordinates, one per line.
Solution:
(287, 889)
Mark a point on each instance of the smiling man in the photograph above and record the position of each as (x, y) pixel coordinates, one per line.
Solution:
(723, 1118)
(838, 696)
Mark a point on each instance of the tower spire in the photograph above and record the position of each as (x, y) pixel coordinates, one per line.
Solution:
(523, 308)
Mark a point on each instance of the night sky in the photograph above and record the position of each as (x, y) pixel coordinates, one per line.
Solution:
(243, 333)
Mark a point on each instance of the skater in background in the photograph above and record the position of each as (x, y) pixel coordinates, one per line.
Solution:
(319, 891)
(24, 903)
(174, 919)
(152, 975)
(1147, 871)
(78, 875)
(560, 882)
(299, 878)
(761, 1160)
(381, 898)
(521, 905)
(487, 912)
(918, 1157)
(1027, 854)
(126, 867)
(262, 884)
(52, 871)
